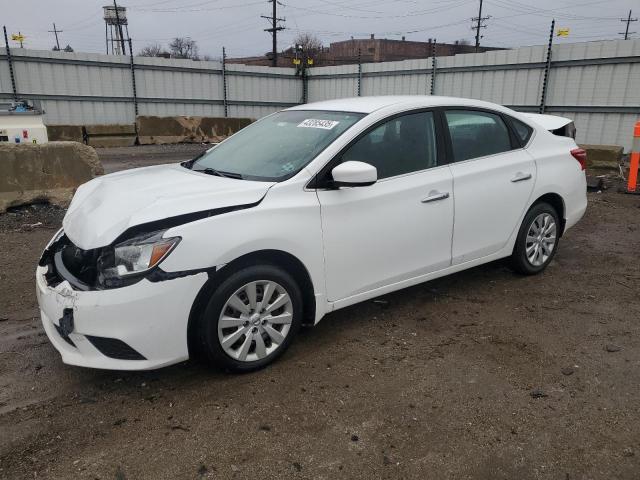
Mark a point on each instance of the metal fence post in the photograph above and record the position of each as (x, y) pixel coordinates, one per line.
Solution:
(224, 82)
(305, 85)
(10, 60)
(359, 73)
(433, 67)
(134, 90)
(547, 70)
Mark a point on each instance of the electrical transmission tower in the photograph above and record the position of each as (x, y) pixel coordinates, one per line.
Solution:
(628, 20)
(55, 31)
(478, 21)
(275, 28)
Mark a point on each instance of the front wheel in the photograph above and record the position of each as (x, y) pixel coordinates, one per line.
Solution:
(250, 319)
(537, 240)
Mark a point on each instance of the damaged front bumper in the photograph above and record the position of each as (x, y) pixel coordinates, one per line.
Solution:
(138, 327)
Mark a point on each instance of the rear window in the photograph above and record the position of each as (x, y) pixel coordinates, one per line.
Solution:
(476, 134)
(523, 131)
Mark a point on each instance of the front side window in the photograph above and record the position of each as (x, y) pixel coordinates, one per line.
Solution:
(476, 134)
(401, 145)
(277, 147)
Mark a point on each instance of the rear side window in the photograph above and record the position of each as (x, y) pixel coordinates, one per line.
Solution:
(523, 131)
(477, 134)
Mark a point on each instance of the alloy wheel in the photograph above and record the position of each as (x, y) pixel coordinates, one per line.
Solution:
(541, 239)
(255, 320)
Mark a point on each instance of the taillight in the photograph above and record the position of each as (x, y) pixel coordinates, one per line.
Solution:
(580, 154)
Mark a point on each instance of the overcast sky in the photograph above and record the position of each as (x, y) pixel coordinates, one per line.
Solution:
(237, 25)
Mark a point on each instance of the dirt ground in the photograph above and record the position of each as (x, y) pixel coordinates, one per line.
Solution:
(480, 375)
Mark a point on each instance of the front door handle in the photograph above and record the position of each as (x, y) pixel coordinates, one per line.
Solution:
(435, 196)
(521, 177)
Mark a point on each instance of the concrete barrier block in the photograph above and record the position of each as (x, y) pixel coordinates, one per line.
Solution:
(111, 129)
(112, 141)
(49, 172)
(111, 135)
(64, 133)
(163, 130)
(603, 157)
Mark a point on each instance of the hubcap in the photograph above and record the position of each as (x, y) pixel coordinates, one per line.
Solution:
(255, 320)
(541, 239)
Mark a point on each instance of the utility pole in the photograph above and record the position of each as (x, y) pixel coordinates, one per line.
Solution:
(119, 29)
(275, 28)
(628, 20)
(56, 32)
(479, 19)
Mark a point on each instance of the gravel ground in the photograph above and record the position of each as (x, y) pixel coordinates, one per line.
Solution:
(481, 375)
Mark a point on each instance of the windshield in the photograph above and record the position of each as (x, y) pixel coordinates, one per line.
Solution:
(276, 147)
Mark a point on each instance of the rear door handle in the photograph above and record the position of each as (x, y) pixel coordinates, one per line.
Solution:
(521, 177)
(435, 196)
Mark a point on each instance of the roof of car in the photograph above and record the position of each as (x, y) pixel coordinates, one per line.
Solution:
(371, 104)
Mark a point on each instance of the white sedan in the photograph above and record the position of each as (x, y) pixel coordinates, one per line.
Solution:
(306, 211)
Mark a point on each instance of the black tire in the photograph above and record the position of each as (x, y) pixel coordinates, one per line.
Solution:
(206, 335)
(519, 259)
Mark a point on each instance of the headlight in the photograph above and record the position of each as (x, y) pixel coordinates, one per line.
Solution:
(136, 256)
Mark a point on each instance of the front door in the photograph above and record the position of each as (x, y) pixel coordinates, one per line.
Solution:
(401, 226)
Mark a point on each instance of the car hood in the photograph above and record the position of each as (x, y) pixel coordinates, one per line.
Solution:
(105, 207)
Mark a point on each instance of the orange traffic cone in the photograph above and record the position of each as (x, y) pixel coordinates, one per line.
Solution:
(635, 160)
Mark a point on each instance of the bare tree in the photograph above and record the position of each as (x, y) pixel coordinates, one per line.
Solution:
(184, 47)
(310, 43)
(153, 50)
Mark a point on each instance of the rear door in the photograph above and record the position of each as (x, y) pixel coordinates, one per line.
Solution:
(493, 179)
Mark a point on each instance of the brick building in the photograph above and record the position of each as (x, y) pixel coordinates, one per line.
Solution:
(369, 50)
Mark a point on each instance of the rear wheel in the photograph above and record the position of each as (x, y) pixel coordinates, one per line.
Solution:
(537, 240)
(250, 319)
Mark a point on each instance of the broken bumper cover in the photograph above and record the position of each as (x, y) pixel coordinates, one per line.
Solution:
(139, 327)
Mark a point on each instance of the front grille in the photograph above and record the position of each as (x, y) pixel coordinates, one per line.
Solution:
(66, 261)
(114, 348)
(82, 264)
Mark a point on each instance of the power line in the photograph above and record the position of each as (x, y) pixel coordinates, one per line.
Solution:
(415, 13)
(628, 20)
(275, 28)
(528, 10)
(55, 31)
(188, 8)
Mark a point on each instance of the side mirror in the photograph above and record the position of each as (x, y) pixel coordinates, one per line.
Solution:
(354, 174)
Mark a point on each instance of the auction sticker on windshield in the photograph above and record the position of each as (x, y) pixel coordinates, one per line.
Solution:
(314, 123)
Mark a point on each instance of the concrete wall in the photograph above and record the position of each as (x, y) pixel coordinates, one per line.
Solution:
(151, 130)
(595, 83)
(160, 130)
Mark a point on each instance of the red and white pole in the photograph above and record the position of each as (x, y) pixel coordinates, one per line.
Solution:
(635, 159)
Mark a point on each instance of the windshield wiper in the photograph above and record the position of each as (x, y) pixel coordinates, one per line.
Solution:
(218, 173)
